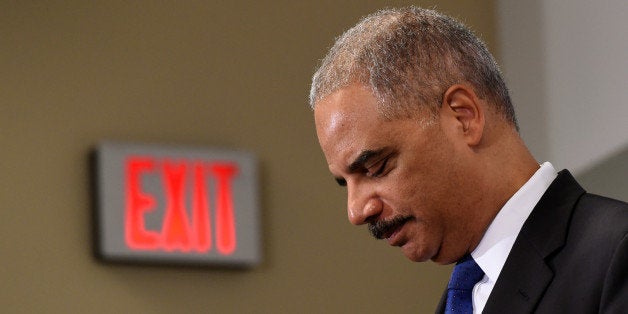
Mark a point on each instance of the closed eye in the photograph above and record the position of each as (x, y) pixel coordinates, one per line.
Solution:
(381, 169)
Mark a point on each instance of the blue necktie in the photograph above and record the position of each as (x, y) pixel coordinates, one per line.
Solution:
(459, 291)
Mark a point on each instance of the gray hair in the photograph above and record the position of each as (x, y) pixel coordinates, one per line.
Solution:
(409, 57)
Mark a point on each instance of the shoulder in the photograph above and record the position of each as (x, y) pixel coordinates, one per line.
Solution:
(593, 200)
(598, 229)
(604, 222)
(601, 215)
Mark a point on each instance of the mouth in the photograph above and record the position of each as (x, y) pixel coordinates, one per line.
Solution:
(388, 229)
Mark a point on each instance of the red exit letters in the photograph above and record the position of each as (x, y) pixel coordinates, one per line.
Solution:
(182, 229)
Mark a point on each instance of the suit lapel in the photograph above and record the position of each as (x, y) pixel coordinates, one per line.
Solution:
(521, 282)
(526, 275)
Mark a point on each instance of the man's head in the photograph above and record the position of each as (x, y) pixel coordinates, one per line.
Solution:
(414, 119)
(408, 58)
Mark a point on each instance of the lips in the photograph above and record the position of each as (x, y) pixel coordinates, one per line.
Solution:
(387, 229)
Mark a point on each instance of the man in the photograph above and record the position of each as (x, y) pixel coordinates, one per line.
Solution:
(416, 122)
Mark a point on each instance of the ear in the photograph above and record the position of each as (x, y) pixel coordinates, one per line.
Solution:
(466, 112)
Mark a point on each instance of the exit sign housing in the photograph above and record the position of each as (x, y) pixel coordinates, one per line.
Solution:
(176, 205)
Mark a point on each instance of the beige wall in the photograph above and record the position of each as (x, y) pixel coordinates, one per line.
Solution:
(230, 75)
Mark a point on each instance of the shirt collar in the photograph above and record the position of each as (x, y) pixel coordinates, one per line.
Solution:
(493, 249)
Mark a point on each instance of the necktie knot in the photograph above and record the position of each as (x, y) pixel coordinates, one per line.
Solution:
(459, 290)
(466, 274)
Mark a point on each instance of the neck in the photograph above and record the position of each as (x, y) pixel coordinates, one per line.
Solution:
(508, 165)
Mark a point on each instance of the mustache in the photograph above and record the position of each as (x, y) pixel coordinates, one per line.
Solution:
(383, 228)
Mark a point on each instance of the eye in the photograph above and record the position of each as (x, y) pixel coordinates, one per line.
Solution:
(380, 169)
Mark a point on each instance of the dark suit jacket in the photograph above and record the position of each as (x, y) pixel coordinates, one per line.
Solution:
(571, 256)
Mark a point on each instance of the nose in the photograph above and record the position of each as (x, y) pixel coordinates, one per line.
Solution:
(362, 205)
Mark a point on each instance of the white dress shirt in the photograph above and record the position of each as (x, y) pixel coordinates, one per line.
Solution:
(493, 249)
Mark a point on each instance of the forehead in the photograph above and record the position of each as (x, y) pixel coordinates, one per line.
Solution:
(347, 106)
(348, 121)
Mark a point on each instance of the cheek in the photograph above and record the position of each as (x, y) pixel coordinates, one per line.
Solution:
(401, 194)
(423, 192)
(424, 182)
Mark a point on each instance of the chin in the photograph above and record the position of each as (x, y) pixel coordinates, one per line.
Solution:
(415, 254)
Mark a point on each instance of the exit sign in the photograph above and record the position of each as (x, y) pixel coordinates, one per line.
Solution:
(176, 205)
